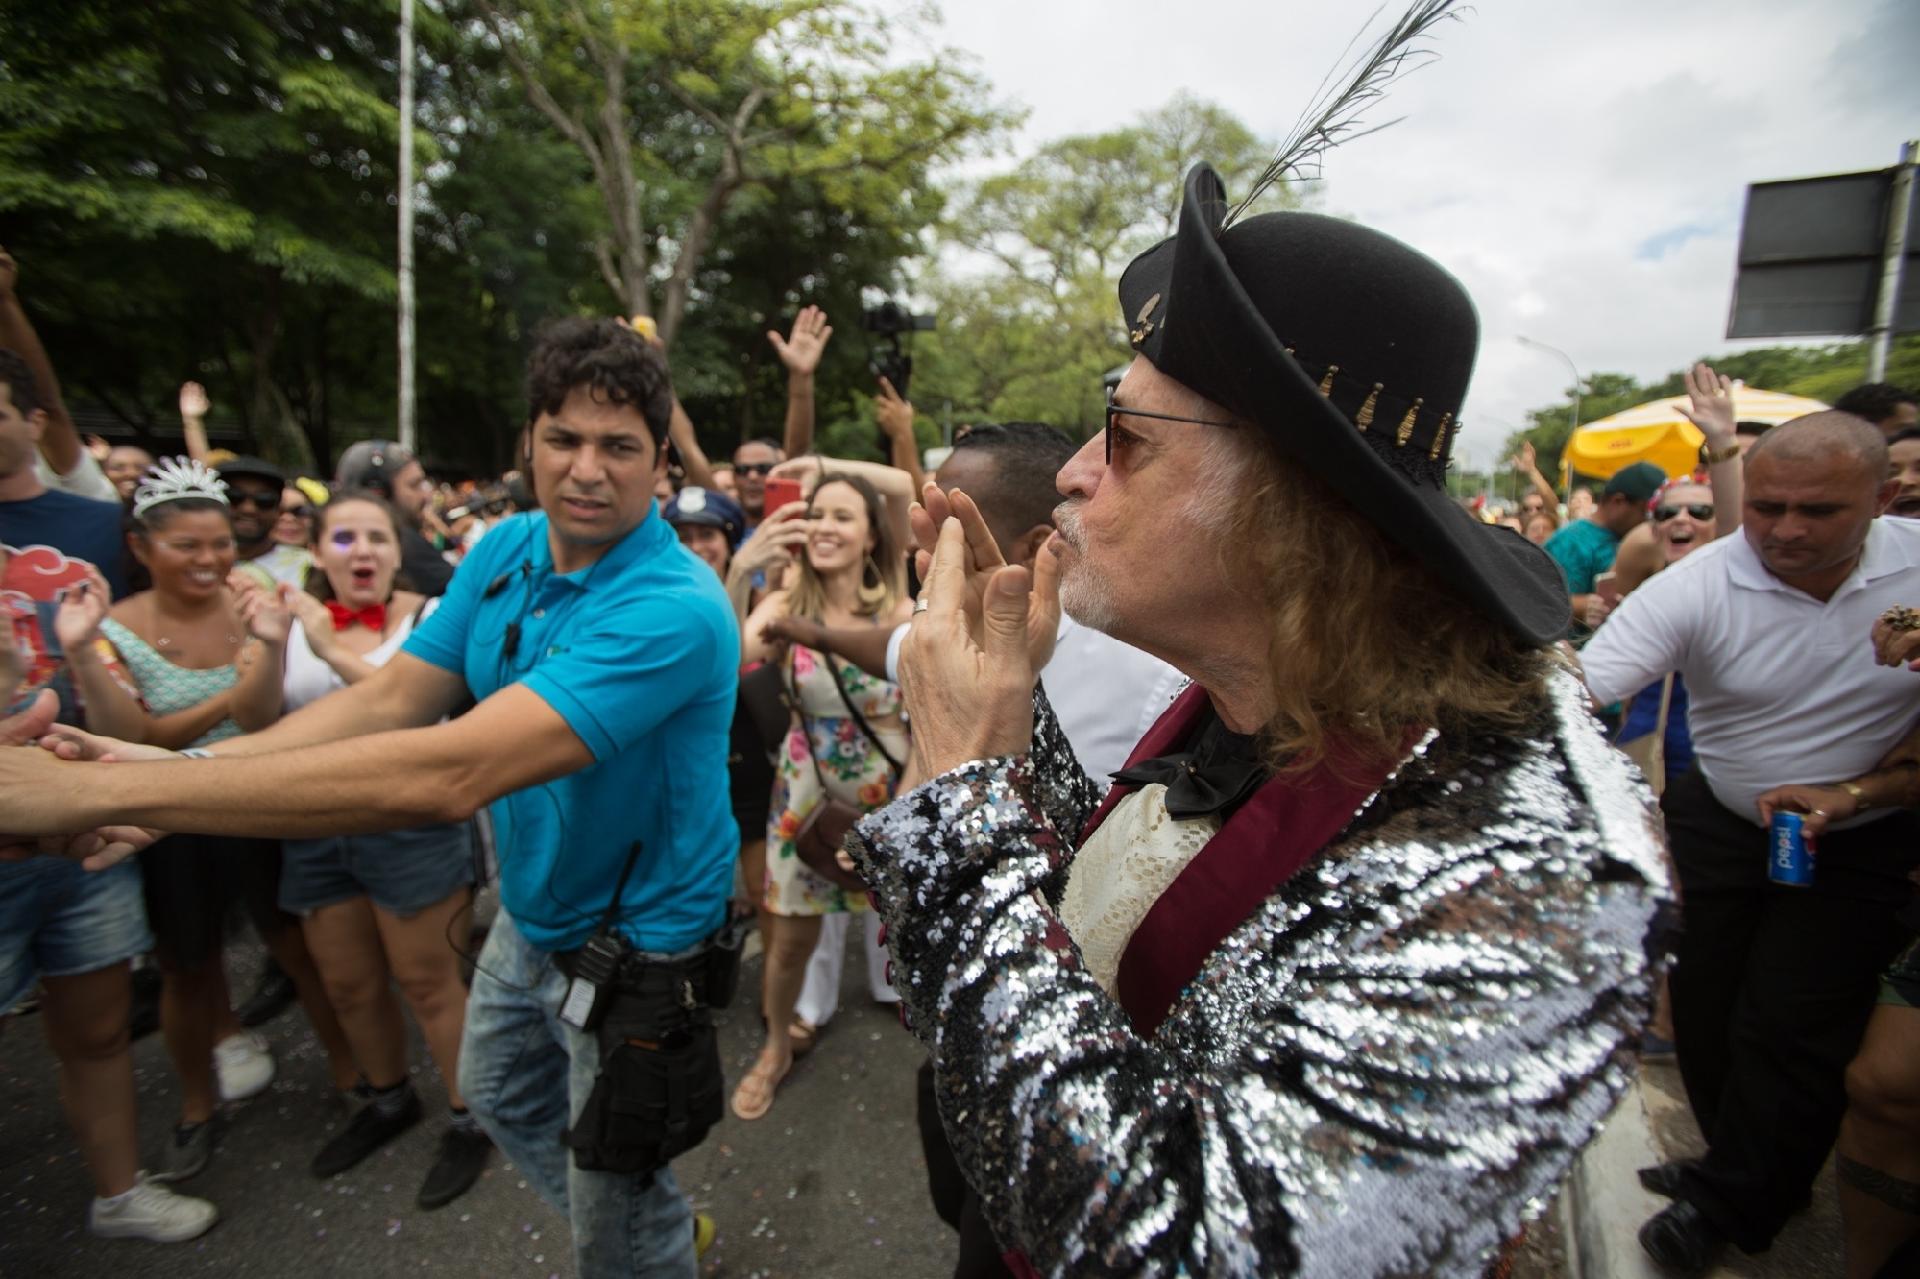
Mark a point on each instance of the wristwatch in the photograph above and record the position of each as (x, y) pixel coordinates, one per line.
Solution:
(1856, 790)
(1726, 453)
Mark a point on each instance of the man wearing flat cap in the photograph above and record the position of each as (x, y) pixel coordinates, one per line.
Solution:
(1349, 964)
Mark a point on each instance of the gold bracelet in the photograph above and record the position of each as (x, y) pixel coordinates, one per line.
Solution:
(1726, 454)
(1856, 790)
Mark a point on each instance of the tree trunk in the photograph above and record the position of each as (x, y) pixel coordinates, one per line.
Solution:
(276, 434)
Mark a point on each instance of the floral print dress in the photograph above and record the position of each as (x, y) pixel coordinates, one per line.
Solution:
(855, 773)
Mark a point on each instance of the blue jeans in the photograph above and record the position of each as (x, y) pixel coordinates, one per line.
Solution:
(526, 1075)
(60, 920)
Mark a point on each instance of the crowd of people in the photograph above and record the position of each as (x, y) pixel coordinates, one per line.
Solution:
(1165, 779)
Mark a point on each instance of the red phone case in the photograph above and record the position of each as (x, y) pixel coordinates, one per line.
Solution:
(780, 493)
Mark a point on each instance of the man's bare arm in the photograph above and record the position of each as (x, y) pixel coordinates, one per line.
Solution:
(60, 442)
(405, 693)
(353, 785)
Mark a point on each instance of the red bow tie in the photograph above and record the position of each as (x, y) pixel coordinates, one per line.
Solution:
(373, 616)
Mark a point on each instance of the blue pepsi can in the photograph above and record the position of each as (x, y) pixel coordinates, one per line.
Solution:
(1789, 857)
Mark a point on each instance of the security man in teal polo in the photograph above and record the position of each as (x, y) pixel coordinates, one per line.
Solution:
(603, 658)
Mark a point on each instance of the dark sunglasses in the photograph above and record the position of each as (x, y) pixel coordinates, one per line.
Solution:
(304, 512)
(1116, 410)
(754, 468)
(1699, 511)
(259, 501)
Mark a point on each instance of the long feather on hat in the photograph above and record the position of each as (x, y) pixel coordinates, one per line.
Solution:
(1334, 114)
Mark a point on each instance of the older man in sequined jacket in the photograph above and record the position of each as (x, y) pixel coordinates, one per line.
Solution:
(1350, 963)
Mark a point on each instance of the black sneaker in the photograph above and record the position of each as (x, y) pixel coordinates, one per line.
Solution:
(463, 1153)
(366, 1132)
(187, 1154)
(273, 996)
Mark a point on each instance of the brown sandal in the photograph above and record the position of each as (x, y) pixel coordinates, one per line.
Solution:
(753, 1098)
(802, 1035)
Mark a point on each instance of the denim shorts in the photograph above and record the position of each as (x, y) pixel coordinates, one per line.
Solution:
(402, 871)
(58, 919)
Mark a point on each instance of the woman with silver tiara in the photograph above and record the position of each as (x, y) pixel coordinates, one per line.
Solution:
(1350, 963)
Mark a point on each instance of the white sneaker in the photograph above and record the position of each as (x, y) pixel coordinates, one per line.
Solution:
(244, 1065)
(152, 1212)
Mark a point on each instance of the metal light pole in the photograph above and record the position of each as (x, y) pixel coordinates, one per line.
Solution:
(1571, 368)
(406, 227)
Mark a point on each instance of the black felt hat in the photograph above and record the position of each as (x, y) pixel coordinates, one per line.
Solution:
(1353, 353)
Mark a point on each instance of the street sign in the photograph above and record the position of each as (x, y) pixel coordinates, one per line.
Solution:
(1813, 256)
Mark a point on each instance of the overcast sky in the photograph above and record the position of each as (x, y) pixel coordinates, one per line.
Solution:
(1580, 166)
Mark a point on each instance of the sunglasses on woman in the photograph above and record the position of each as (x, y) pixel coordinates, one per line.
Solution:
(1699, 511)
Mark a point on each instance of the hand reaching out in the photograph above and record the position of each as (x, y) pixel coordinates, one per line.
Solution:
(1525, 459)
(1710, 405)
(802, 348)
(895, 414)
(193, 400)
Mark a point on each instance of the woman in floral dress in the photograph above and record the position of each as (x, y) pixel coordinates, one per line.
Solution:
(851, 574)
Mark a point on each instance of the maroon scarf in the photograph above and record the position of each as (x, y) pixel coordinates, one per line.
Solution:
(1260, 847)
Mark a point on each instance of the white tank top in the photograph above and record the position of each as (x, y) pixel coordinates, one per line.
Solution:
(308, 678)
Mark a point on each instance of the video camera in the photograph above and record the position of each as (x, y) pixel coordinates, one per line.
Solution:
(889, 358)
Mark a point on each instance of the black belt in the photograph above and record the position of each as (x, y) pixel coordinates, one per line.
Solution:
(680, 982)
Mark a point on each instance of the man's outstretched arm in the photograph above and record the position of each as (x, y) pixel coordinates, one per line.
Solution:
(351, 785)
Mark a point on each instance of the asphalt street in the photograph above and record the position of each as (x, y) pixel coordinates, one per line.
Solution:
(831, 1183)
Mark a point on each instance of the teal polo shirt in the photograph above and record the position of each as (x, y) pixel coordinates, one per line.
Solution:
(1585, 550)
(639, 653)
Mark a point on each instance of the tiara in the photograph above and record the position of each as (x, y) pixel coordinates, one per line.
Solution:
(174, 478)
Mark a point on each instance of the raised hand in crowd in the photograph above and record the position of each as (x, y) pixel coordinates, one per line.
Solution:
(1896, 638)
(194, 407)
(60, 444)
(895, 416)
(804, 344)
(1527, 462)
(800, 351)
(1710, 407)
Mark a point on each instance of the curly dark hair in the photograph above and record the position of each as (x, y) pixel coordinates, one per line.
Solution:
(1875, 401)
(21, 388)
(606, 358)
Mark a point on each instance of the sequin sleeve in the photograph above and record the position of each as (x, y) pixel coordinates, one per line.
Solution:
(1383, 1071)
(1061, 788)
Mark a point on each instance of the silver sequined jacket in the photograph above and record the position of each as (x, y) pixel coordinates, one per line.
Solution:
(1385, 1071)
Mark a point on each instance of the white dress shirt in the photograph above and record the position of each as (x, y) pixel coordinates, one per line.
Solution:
(1781, 688)
(1107, 694)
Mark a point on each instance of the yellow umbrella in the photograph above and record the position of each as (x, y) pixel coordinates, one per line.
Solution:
(1659, 432)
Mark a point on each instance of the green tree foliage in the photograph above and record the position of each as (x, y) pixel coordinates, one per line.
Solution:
(1031, 334)
(1818, 372)
(681, 110)
(151, 154)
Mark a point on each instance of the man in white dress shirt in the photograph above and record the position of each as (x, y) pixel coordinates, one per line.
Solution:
(1773, 985)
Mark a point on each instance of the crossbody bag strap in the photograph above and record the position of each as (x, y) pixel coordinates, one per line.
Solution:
(860, 720)
(793, 693)
(612, 915)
